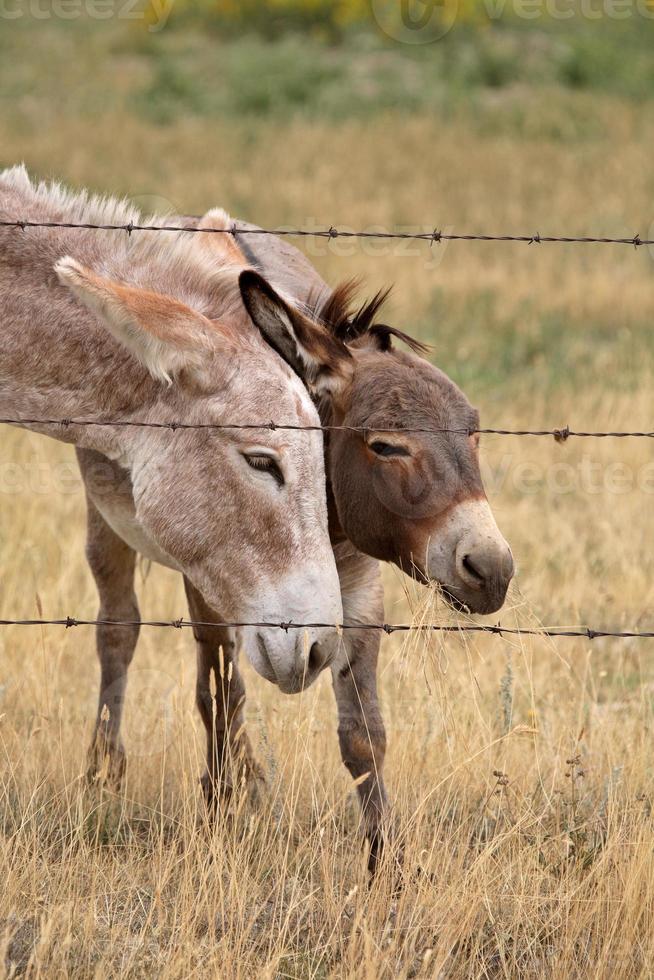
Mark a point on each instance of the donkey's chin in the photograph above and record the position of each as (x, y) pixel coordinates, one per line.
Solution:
(477, 603)
(452, 600)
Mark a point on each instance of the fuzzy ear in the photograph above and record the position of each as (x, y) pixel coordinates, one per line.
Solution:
(322, 361)
(162, 333)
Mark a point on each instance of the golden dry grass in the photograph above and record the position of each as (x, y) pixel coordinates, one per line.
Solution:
(544, 870)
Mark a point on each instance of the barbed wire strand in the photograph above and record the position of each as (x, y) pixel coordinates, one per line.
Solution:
(389, 628)
(434, 237)
(560, 435)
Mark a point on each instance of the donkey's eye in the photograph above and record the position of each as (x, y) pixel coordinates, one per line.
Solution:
(388, 449)
(266, 464)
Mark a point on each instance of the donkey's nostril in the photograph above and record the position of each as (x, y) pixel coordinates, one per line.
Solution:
(473, 570)
(315, 660)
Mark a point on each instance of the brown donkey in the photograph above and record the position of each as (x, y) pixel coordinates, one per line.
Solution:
(411, 497)
(102, 327)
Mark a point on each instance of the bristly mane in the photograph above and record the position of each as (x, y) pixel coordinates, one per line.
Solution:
(349, 323)
(185, 262)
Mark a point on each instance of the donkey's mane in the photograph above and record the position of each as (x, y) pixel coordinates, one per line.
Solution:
(348, 321)
(182, 261)
(76, 206)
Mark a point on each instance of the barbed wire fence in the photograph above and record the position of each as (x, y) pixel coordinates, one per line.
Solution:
(434, 237)
(389, 628)
(560, 435)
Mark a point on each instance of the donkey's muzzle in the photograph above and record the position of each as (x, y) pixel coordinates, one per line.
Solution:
(484, 570)
(470, 559)
(297, 635)
(293, 661)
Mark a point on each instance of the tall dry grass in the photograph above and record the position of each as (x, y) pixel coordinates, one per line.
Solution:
(520, 768)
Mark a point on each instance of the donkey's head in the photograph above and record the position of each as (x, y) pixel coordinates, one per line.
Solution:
(408, 488)
(242, 512)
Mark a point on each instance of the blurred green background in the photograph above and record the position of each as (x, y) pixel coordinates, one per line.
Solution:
(309, 112)
(216, 59)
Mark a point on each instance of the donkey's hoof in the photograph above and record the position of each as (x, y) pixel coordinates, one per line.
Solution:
(375, 851)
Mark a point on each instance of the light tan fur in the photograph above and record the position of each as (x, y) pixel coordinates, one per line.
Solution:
(102, 326)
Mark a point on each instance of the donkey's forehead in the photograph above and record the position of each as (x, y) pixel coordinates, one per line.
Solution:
(405, 390)
(273, 392)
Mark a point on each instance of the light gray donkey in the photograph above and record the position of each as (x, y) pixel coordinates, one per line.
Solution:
(101, 327)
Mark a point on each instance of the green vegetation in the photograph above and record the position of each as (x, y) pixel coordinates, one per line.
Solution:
(550, 344)
(193, 68)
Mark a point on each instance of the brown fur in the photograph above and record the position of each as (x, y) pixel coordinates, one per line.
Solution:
(350, 323)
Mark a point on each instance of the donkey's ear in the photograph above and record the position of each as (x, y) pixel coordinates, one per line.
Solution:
(219, 239)
(163, 334)
(322, 361)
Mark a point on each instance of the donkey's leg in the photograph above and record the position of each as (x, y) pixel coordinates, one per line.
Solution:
(112, 563)
(360, 725)
(220, 696)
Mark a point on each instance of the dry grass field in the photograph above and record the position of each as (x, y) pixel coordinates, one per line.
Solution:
(520, 768)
